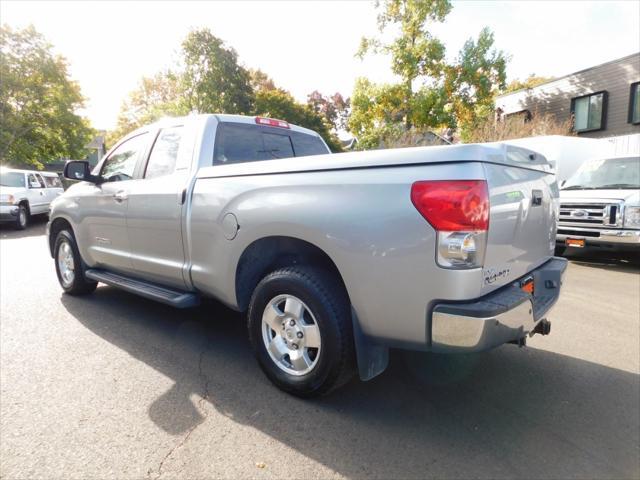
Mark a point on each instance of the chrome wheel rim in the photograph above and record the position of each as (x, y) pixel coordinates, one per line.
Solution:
(22, 217)
(291, 335)
(66, 264)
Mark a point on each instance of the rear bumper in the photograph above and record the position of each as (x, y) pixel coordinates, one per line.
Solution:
(8, 213)
(625, 238)
(505, 315)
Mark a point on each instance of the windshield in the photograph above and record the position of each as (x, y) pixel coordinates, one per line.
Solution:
(11, 179)
(615, 173)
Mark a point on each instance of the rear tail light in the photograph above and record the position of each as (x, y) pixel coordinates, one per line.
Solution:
(459, 212)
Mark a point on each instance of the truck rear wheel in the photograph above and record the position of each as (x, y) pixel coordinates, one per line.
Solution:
(69, 266)
(300, 328)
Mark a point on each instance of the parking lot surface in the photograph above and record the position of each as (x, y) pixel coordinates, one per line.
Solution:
(115, 386)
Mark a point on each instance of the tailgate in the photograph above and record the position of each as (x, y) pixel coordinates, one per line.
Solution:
(522, 221)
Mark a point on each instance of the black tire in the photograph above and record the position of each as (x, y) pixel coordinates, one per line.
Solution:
(79, 285)
(22, 220)
(329, 304)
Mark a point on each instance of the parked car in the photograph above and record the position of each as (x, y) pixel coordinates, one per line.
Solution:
(335, 258)
(600, 206)
(24, 193)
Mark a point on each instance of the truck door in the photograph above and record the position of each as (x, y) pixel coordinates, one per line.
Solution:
(36, 194)
(155, 210)
(104, 225)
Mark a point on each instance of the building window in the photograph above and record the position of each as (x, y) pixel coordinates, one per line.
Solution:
(589, 112)
(634, 104)
(523, 116)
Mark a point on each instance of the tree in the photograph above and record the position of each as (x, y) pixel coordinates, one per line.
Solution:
(414, 52)
(432, 93)
(213, 79)
(334, 108)
(531, 81)
(38, 102)
(280, 104)
(260, 81)
(474, 80)
(156, 97)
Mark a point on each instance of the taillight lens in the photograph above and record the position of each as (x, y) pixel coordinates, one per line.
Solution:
(459, 211)
(453, 205)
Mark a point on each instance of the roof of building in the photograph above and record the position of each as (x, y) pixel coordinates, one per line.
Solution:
(637, 54)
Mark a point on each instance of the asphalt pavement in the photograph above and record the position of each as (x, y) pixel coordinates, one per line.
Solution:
(113, 386)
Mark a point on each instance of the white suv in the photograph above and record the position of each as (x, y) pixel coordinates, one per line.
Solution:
(26, 192)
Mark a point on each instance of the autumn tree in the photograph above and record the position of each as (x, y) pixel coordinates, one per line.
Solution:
(334, 108)
(38, 102)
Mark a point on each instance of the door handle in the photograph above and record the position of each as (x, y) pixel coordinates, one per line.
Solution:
(536, 198)
(120, 196)
(41, 193)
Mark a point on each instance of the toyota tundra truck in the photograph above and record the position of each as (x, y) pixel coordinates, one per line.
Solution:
(334, 258)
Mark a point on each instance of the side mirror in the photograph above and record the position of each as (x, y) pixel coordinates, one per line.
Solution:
(79, 170)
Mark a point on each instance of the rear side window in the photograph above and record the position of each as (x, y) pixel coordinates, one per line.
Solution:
(53, 182)
(164, 153)
(238, 142)
(277, 146)
(305, 145)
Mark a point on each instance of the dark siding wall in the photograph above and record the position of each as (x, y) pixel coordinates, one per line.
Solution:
(555, 97)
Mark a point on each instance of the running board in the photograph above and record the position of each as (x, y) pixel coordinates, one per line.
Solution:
(175, 298)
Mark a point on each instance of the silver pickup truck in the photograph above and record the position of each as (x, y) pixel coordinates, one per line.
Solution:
(334, 258)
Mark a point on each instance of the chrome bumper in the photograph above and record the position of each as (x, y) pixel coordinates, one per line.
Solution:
(8, 213)
(506, 315)
(608, 237)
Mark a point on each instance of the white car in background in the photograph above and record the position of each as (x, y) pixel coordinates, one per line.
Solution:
(24, 193)
(600, 206)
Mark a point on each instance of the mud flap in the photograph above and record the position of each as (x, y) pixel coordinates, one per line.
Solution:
(372, 358)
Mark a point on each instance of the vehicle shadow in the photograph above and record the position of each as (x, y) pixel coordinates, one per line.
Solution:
(37, 226)
(511, 412)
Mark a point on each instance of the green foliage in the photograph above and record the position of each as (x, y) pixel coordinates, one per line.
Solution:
(38, 102)
(280, 104)
(529, 82)
(414, 52)
(155, 97)
(432, 93)
(475, 79)
(213, 79)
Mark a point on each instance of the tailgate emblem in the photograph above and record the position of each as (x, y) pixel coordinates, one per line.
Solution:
(492, 274)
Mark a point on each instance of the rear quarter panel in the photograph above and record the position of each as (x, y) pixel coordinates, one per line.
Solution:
(362, 218)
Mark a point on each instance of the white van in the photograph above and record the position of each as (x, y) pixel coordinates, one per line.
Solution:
(26, 192)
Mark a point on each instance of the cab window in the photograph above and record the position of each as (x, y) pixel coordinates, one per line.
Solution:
(121, 164)
(35, 181)
(162, 160)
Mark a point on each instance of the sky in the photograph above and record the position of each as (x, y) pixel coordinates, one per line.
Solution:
(309, 45)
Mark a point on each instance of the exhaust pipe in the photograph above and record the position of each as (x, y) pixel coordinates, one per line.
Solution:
(543, 328)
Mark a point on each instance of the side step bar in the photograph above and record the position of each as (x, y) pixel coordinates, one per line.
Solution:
(175, 298)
